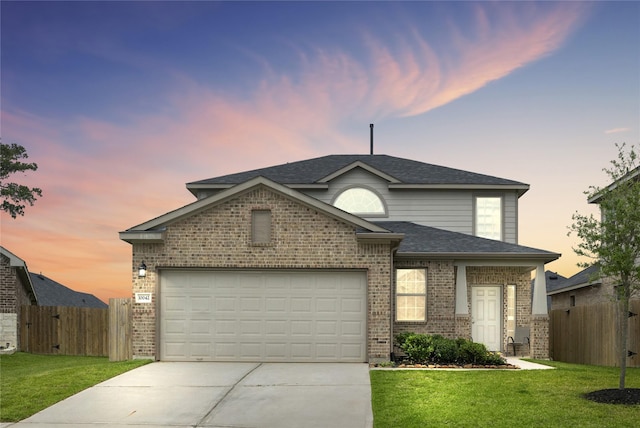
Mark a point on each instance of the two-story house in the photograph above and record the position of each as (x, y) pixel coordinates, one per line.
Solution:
(327, 259)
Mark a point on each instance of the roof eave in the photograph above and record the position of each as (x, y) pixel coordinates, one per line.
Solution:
(520, 188)
(143, 237)
(574, 287)
(379, 237)
(546, 258)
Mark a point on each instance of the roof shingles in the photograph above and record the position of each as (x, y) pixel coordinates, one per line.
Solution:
(404, 170)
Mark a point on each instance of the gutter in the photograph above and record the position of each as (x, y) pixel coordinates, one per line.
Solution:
(547, 257)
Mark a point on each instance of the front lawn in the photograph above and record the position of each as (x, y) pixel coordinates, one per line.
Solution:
(500, 398)
(30, 383)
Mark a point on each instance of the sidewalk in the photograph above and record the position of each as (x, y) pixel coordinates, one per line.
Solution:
(526, 365)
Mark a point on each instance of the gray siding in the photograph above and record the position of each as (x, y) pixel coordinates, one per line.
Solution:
(445, 209)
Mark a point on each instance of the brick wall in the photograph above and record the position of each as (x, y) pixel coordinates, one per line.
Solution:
(584, 296)
(302, 238)
(441, 318)
(13, 295)
(8, 282)
(441, 292)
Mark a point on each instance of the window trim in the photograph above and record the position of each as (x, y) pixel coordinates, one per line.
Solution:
(397, 294)
(499, 196)
(363, 214)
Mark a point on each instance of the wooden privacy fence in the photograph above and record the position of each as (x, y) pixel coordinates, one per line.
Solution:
(64, 330)
(587, 334)
(78, 331)
(120, 330)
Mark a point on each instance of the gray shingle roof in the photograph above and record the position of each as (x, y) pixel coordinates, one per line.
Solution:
(51, 293)
(430, 240)
(584, 277)
(404, 170)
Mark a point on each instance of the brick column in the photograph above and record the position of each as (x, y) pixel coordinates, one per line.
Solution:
(539, 327)
(463, 326)
(539, 337)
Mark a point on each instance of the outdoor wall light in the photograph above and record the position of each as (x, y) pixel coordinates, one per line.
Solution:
(142, 270)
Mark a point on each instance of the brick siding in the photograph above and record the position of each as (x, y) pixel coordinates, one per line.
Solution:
(302, 238)
(13, 294)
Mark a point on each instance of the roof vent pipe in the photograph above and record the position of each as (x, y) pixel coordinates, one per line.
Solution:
(371, 139)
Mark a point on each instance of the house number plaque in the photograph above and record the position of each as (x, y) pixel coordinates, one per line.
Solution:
(143, 297)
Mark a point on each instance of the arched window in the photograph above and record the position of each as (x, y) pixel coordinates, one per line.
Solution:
(360, 201)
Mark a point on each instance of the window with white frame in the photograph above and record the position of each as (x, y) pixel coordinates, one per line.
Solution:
(411, 294)
(358, 200)
(488, 221)
(511, 310)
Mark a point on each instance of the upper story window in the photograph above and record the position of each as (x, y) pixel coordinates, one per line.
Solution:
(488, 217)
(360, 201)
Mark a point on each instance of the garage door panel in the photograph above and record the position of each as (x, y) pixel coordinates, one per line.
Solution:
(225, 304)
(275, 328)
(263, 316)
(301, 305)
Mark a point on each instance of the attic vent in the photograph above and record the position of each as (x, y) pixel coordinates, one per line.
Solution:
(261, 226)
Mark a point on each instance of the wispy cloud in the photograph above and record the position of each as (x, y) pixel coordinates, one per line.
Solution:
(617, 130)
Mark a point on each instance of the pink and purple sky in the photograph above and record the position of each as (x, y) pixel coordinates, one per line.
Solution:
(122, 103)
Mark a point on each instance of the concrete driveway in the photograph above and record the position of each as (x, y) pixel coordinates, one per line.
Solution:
(203, 394)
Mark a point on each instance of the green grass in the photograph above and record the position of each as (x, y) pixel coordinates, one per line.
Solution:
(500, 398)
(30, 383)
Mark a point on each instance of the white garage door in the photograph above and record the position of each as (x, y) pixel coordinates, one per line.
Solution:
(263, 316)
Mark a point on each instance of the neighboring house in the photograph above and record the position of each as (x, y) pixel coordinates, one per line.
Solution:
(327, 259)
(586, 287)
(19, 287)
(16, 290)
(580, 289)
(52, 293)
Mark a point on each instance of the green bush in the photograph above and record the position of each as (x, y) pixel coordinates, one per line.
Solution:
(401, 338)
(418, 347)
(436, 349)
(471, 352)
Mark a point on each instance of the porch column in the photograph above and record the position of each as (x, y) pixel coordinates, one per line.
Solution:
(463, 319)
(462, 303)
(539, 328)
(539, 304)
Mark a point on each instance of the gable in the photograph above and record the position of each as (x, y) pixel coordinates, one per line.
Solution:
(15, 274)
(155, 230)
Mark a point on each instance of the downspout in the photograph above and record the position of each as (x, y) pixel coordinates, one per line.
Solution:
(394, 249)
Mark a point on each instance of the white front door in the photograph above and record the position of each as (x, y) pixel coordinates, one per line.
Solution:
(486, 316)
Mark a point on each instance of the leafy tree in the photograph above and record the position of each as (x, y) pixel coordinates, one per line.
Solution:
(613, 241)
(13, 194)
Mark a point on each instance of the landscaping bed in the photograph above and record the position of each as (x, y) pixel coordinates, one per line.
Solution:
(438, 352)
(505, 366)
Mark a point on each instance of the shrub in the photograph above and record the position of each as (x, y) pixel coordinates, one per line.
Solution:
(471, 352)
(436, 349)
(418, 348)
(401, 338)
